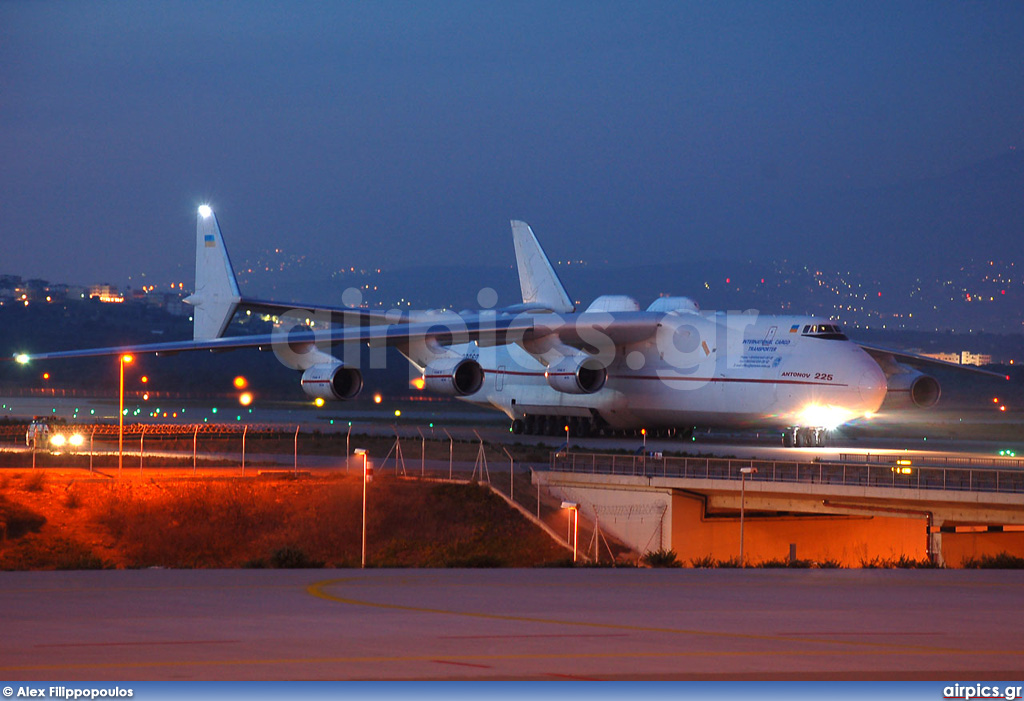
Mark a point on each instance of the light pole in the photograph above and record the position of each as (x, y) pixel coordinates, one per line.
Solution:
(362, 561)
(744, 471)
(348, 438)
(575, 523)
(120, 413)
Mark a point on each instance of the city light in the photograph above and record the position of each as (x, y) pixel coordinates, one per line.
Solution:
(241, 382)
(245, 398)
(21, 358)
(377, 399)
(319, 402)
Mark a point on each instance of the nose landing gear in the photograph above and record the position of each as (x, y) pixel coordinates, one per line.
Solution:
(804, 437)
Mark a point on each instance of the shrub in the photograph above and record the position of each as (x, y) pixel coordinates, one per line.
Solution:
(661, 558)
(17, 520)
(292, 558)
(1002, 561)
(35, 481)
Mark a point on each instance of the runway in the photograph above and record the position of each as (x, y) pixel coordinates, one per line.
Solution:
(511, 624)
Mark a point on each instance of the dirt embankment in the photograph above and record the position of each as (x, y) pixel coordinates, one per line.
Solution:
(52, 520)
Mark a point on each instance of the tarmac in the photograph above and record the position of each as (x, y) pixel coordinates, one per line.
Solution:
(581, 623)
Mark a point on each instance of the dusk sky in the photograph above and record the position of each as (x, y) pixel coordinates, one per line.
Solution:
(409, 133)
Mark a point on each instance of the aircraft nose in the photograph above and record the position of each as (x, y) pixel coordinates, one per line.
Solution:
(872, 383)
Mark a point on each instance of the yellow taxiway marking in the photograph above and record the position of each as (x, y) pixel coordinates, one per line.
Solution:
(317, 589)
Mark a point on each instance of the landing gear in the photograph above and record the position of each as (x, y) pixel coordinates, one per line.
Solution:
(804, 437)
(531, 425)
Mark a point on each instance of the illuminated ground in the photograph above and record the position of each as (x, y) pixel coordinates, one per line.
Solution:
(511, 624)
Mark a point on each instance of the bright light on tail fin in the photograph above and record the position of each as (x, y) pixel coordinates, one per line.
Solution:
(538, 280)
(216, 296)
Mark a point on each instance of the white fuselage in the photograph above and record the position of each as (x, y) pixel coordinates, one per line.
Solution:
(699, 369)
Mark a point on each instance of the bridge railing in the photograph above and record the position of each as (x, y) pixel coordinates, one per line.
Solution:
(895, 475)
(934, 460)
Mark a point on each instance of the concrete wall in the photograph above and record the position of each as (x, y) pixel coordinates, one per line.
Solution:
(640, 518)
(957, 547)
(851, 541)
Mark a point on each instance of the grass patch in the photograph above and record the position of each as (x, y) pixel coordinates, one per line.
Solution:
(34, 552)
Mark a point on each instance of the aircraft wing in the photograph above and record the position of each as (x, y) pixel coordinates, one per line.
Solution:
(882, 354)
(584, 331)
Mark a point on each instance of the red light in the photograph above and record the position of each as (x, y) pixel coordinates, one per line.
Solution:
(144, 379)
(726, 281)
(46, 376)
(1002, 408)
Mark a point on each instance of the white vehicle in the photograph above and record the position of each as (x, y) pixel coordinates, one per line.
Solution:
(546, 365)
(37, 434)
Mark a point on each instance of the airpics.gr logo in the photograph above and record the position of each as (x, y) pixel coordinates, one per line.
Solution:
(981, 691)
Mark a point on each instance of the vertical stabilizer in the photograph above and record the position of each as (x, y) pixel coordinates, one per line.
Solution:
(538, 280)
(216, 295)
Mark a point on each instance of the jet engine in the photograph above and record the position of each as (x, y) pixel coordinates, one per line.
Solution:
(455, 377)
(576, 374)
(332, 381)
(912, 388)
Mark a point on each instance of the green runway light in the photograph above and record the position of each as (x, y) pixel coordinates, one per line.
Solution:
(213, 410)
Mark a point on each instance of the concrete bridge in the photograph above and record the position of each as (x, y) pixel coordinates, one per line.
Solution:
(853, 512)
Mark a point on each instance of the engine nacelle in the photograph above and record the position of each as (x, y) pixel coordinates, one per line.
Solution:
(576, 374)
(455, 377)
(332, 381)
(912, 388)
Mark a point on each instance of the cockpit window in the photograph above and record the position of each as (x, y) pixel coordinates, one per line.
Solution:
(826, 331)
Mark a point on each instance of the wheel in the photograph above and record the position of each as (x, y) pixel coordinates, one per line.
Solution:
(518, 426)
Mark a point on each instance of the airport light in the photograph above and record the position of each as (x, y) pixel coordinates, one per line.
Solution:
(575, 523)
(245, 398)
(122, 361)
(366, 478)
(744, 471)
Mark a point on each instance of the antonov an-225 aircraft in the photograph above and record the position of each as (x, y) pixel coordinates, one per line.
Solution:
(546, 365)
